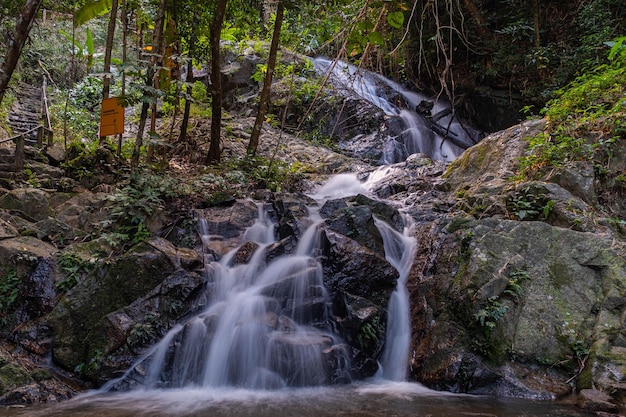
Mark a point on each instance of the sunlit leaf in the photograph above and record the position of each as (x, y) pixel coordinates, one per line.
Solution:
(91, 10)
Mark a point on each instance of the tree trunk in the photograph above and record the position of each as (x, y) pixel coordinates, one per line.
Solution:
(124, 59)
(481, 26)
(156, 46)
(267, 82)
(189, 80)
(213, 157)
(23, 25)
(106, 81)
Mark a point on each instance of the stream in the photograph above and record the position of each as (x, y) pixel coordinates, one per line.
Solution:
(366, 399)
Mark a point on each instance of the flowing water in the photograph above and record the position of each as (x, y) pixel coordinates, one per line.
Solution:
(222, 367)
(355, 400)
(437, 132)
(263, 344)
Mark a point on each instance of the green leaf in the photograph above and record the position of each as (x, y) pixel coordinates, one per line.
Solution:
(395, 19)
(91, 10)
(91, 49)
(616, 47)
(79, 48)
(375, 38)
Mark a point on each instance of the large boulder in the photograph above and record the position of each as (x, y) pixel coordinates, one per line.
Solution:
(517, 287)
(32, 203)
(27, 278)
(109, 287)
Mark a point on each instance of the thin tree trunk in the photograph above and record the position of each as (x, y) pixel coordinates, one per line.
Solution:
(158, 35)
(213, 157)
(70, 79)
(481, 26)
(267, 82)
(106, 81)
(23, 25)
(189, 81)
(124, 59)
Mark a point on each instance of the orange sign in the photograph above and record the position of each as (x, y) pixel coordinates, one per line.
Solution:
(111, 117)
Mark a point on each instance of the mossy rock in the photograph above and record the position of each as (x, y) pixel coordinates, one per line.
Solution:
(111, 286)
(12, 376)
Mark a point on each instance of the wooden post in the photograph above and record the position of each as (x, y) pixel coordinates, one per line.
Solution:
(19, 153)
(40, 131)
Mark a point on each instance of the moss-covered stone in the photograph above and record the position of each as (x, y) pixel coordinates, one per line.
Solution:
(12, 376)
(110, 287)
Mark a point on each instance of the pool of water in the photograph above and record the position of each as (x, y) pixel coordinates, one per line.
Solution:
(362, 400)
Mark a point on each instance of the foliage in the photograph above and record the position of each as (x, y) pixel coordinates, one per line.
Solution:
(9, 290)
(528, 203)
(263, 172)
(143, 333)
(93, 365)
(570, 334)
(514, 287)
(585, 119)
(74, 267)
(91, 10)
(490, 313)
(142, 197)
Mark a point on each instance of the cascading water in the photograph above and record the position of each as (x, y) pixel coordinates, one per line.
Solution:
(399, 251)
(265, 327)
(268, 323)
(436, 132)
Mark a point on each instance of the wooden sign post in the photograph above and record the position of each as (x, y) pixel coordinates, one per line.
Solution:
(111, 117)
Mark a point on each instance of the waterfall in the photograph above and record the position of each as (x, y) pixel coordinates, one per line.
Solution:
(399, 251)
(265, 327)
(435, 131)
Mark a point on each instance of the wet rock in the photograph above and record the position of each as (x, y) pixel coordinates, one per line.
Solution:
(226, 225)
(27, 275)
(179, 257)
(25, 382)
(7, 230)
(362, 325)
(357, 223)
(245, 252)
(346, 264)
(594, 400)
(500, 305)
(291, 209)
(287, 349)
(282, 247)
(83, 211)
(578, 178)
(57, 232)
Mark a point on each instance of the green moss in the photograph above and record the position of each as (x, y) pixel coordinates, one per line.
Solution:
(12, 376)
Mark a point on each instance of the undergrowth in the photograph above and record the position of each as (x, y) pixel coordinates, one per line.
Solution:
(585, 120)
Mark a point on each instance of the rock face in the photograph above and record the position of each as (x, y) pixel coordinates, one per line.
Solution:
(505, 304)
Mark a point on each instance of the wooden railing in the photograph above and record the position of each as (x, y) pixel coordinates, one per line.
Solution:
(44, 132)
(21, 139)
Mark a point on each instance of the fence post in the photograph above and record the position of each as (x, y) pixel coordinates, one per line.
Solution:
(19, 153)
(40, 132)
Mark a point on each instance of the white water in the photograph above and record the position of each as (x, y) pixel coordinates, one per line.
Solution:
(418, 135)
(399, 251)
(256, 331)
